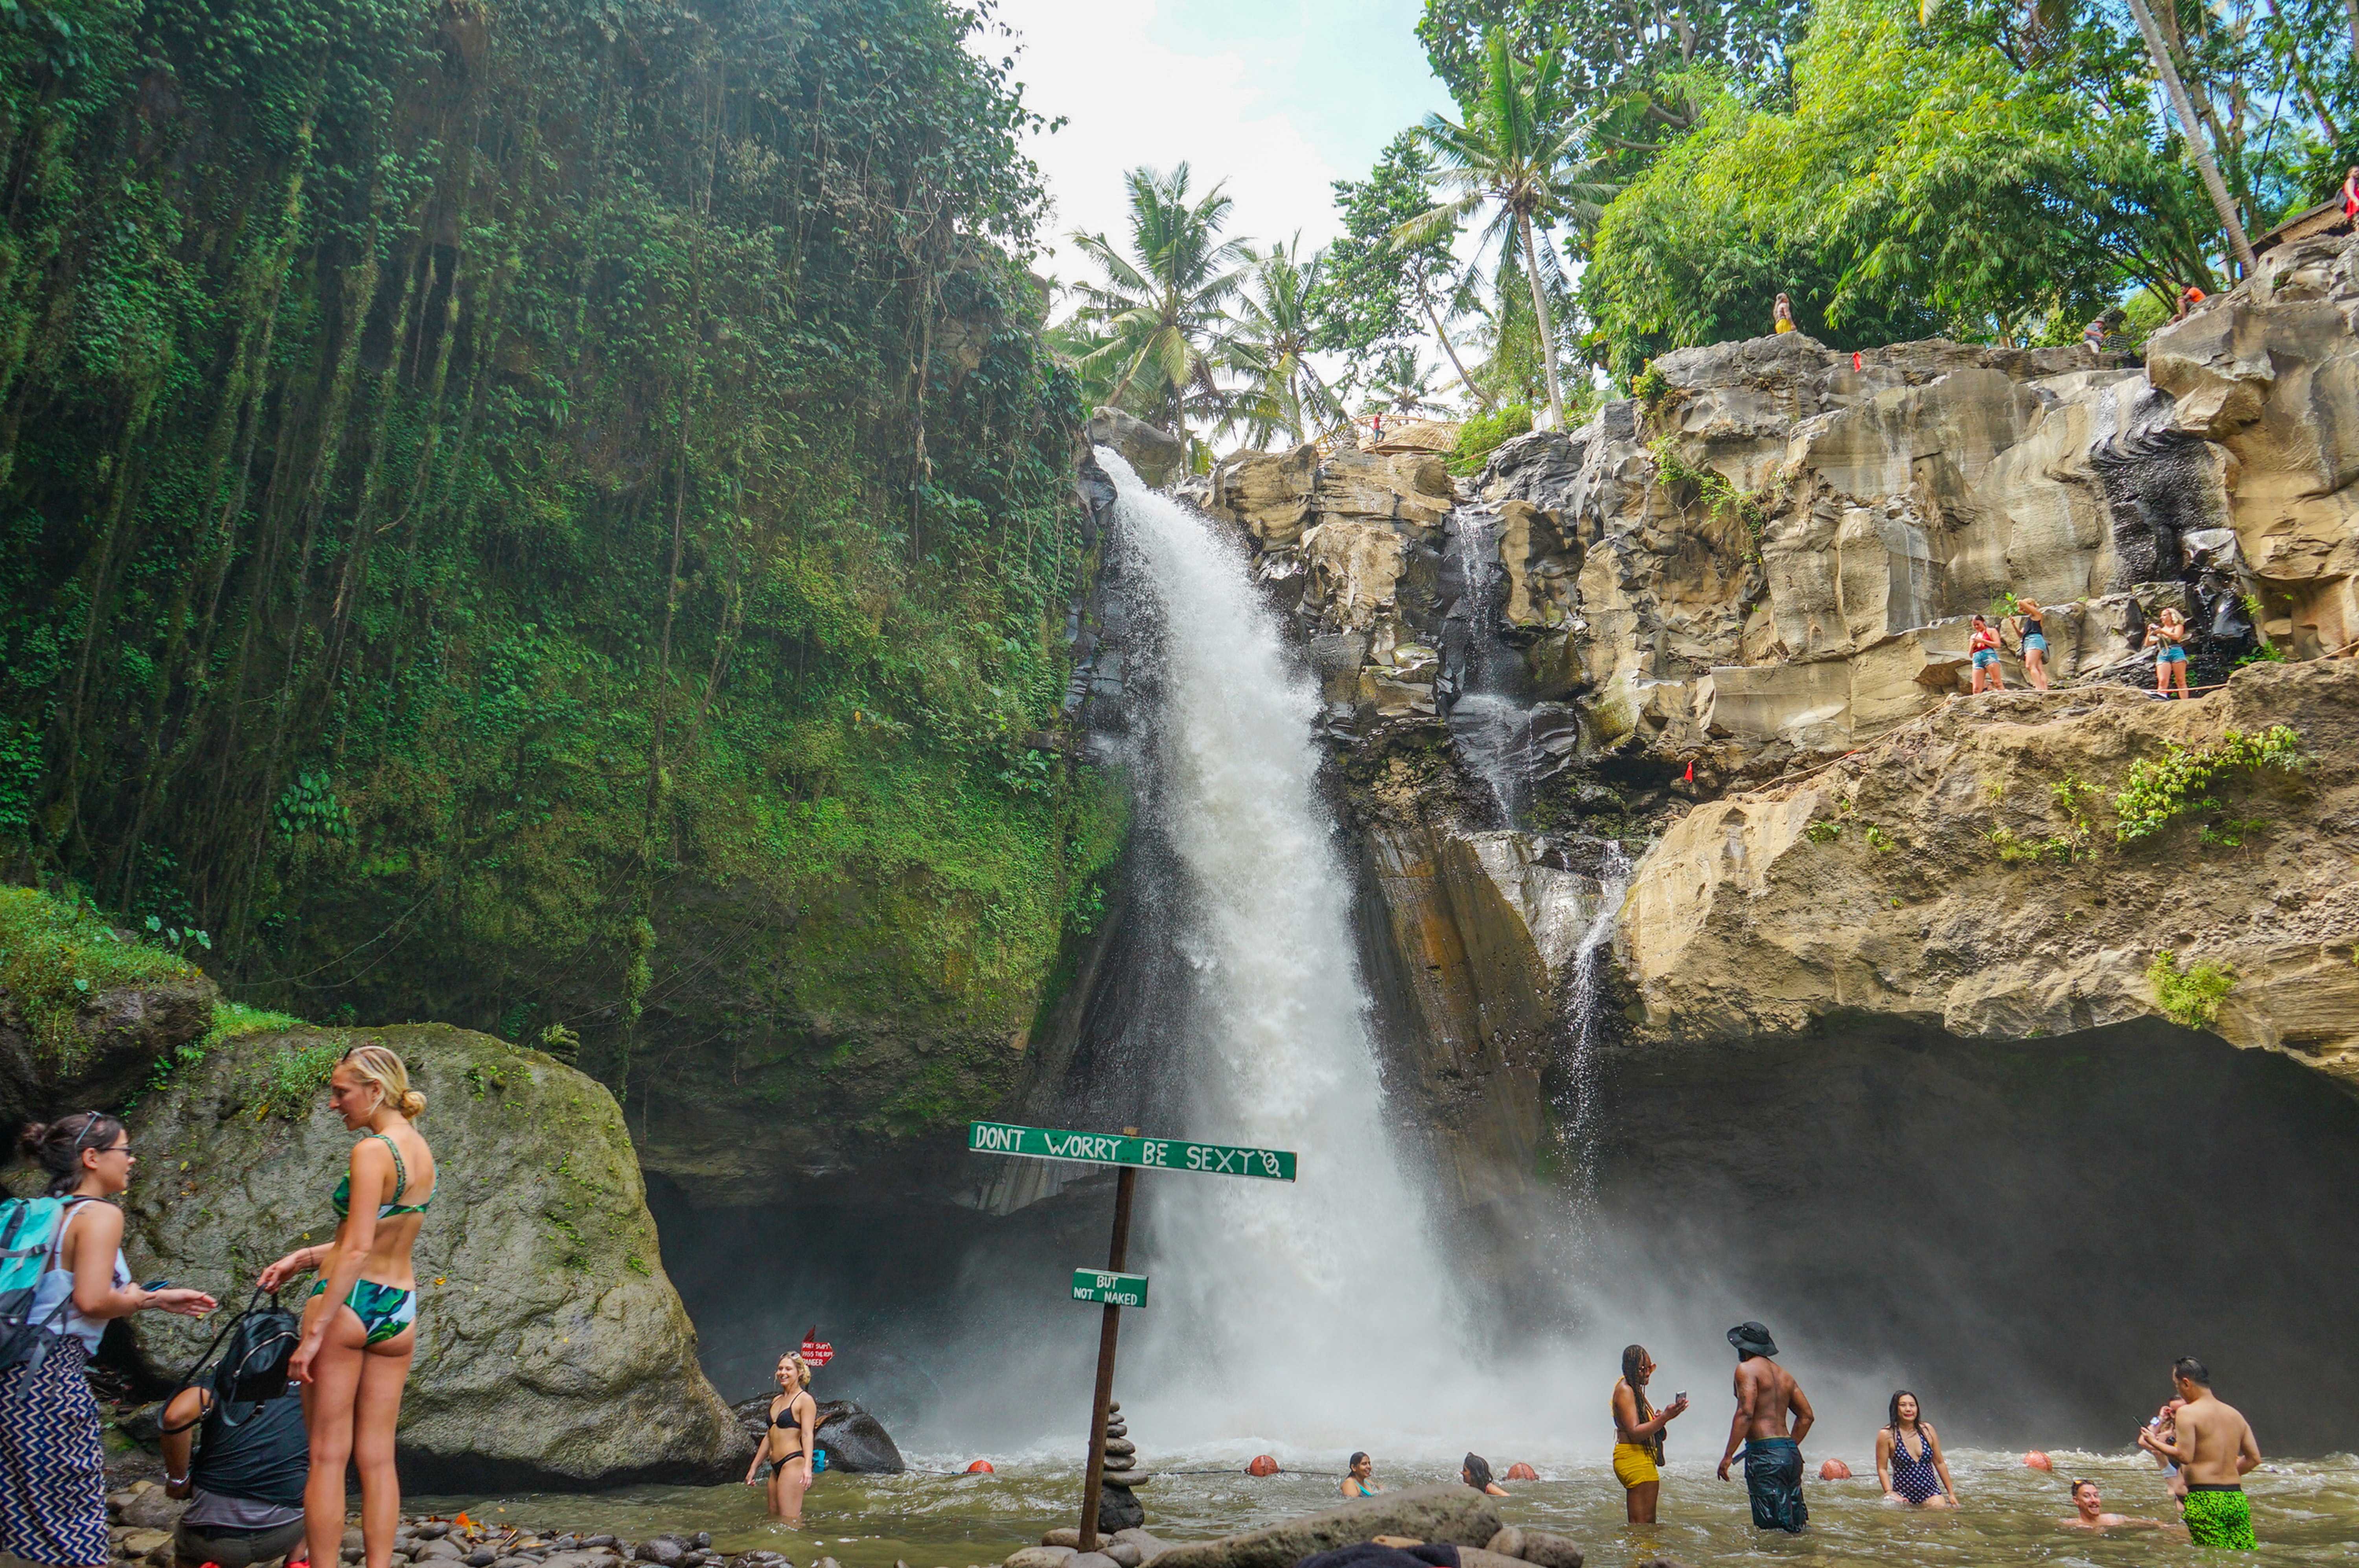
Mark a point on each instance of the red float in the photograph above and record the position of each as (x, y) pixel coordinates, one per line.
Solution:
(1262, 1465)
(1834, 1470)
(2037, 1461)
(1519, 1471)
(981, 1467)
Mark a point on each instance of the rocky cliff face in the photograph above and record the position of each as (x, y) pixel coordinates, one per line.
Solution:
(552, 1350)
(1767, 563)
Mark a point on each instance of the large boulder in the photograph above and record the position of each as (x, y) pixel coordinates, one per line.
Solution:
(552, 1350)
(855, 1443)
(1155, 454)
(1455, 1515)
(86, 1012)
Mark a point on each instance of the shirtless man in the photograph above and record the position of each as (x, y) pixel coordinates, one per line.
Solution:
(2089, 1513)
(2212, 1447)
(1765, 1394)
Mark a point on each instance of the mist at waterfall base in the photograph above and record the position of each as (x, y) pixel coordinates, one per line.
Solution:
(2012, 1231)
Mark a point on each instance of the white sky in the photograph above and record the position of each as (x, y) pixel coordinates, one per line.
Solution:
(1274, 98)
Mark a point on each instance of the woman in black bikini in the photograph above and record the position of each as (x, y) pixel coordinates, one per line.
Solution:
(793, 1438)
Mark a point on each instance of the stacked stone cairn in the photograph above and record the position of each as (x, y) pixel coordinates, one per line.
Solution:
(1118, 1508)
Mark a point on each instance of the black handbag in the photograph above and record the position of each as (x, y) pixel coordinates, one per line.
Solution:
(253, 1365)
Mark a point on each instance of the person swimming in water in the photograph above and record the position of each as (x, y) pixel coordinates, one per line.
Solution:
(2089, 1513)
(790, 1443)
(1475, 1471)
(1361, 1480)
(1919, 1478)
(1638, 1435)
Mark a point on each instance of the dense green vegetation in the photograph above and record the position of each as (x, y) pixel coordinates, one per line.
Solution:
(533, 515)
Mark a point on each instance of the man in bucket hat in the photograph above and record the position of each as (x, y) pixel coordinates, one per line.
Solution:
(1766, 1395)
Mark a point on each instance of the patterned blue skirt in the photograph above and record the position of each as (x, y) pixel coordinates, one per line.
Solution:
(52, 1470)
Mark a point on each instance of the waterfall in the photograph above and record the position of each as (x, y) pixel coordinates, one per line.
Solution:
(1585, 1021)
(1274, 1304)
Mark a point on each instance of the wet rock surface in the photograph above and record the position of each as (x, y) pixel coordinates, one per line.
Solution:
(855, 1443)
(552, 1350)
(1455, 1515)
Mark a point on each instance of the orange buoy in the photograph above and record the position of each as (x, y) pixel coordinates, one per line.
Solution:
(1519, 1471)
(981, 1467)
(1834, 1470)
(2038, 1460)
(1262, 1465)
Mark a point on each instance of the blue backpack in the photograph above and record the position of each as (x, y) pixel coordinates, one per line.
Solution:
(29, 1232)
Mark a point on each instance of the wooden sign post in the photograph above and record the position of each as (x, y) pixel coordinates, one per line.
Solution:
(1111, 1286)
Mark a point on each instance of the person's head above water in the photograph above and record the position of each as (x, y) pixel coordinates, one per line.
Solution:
(2188, 1372)
(1751, 1339)
(1475, 1471)
(2087, 1500)
(1904, 1407)
(1361, 1466)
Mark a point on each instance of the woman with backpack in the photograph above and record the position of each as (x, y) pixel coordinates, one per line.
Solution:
(360, 1326)
(52, 1470)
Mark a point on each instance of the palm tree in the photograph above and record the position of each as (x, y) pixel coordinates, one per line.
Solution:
(1518, 152)
(2191, 129)
(1402, 383)
(1269, 345)
(1158, 311)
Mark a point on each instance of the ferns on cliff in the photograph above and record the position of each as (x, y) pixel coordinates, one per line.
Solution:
(473, 479)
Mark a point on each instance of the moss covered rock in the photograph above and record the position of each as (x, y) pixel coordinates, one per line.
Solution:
(552, 1349)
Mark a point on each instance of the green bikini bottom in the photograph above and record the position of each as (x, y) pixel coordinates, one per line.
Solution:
(384, 1310)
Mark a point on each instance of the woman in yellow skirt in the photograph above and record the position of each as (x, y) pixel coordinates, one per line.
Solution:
(1639, 1435)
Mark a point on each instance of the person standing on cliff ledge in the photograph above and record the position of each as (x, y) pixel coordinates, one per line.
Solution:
(1767, 1396)
(2213, 1448)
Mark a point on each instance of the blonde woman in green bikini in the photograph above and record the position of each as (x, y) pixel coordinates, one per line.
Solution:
(360, 1325)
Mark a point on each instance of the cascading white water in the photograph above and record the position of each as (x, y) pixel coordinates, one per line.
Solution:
(1585, 1021)
(1272, 1301)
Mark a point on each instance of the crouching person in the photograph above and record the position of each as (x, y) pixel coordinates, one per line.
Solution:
(245, 1485)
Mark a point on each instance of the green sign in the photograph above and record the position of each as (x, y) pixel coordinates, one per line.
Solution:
(1114, 1290)
(1148, 1154)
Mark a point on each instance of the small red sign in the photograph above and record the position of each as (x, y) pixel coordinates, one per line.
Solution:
(818, 1353)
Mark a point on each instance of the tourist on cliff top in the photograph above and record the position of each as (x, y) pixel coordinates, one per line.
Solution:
(2089, 1513)
(1916, 1474)
(52, 1469)
(2213, 1448)
(1781, 315)
(1475, 1471)
(1638, 1435)
(360, 1325)
(791, 1441)
(2350, 194)
(2031, 627)
(246, 1481)
(1983, 644)
(1766, 1395)
(2168, 635)
(2189, 299)
(1360, 1479)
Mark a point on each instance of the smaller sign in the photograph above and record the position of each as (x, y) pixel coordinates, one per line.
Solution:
(1114, 1290)
(817, 1352)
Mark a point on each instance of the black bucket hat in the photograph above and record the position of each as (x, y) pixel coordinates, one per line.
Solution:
(1752, 1339)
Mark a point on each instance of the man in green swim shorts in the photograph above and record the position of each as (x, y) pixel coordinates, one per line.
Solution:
(2212, 1447)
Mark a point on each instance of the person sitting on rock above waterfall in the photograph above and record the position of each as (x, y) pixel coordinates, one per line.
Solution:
(1983, 644)
(1917, 1476)
(1475, 1471)
(1360, 1477)
(1766, 1395)
(246, 1479)
(2031, 627)
(791, 1442)
(2213, 1449)
(360, 1325)
(2167, 635)
(1638, 1435)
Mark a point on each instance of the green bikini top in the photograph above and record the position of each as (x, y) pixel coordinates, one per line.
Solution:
(344, 1198)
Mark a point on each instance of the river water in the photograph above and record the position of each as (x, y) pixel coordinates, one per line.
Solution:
(2304, 1511)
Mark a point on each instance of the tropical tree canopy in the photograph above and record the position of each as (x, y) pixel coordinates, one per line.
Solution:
(1156, 320)
(1270, 341)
